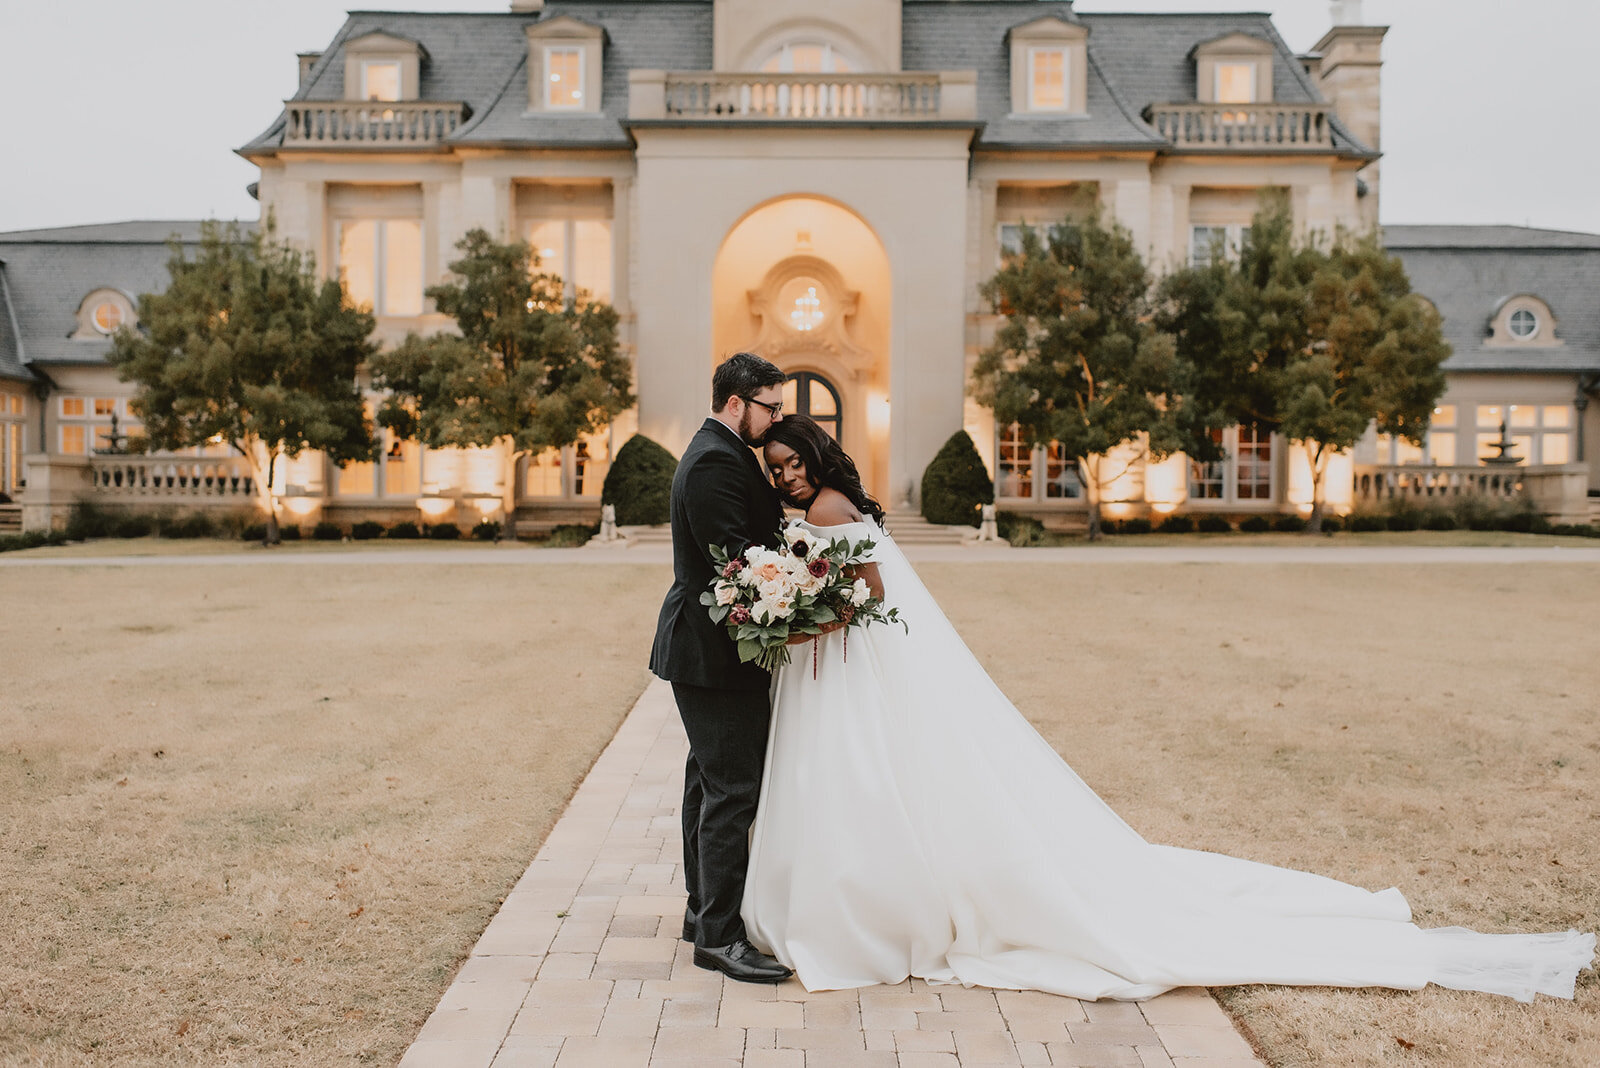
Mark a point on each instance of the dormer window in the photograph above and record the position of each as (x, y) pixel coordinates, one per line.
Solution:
(102, 312)
(563, 77)
(107, 316)
(383, 67)
(1523, 321)
(1047, 79)
(1049, 67)
(564, 65)
(1233, 69)
(380, 79)
(1524, 324)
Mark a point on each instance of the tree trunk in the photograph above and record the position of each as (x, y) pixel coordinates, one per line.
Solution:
(508, 507)
(1091, 487)
(1318, 458)
(264, 488)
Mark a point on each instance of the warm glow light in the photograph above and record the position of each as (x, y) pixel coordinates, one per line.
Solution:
(435, 507)
(301, 506)
(1166, 484)
(1164, 507)
(1117, 509)
(486, 505)
(877, 414)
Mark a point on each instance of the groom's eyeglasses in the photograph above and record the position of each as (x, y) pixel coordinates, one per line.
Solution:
(773, 410)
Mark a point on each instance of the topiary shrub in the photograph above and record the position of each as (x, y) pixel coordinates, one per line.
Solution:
(639, 484)
(1213, 524)
(327, 530)
(1255, 524)
(1332, 524)
(366, 530)
(1176, 524)
(406, 530)
(1439, 521)
(1367, 523)
(444, 532)
(1137, 525)
(289, 533)
(1289, 524)
(956, 485)
(486, 530)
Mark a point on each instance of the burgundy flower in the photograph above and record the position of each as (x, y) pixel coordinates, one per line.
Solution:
(818, 568)
(732, 568)
(800, 548)
(739, 614)
(847, 613)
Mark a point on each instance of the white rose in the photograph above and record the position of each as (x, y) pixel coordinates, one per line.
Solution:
(859, 592)
(727, 593)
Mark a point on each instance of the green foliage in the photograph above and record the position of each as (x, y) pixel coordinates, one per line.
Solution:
(1439, 521)
(1407, 520)
(956, 485)
(290, 533)
(444, 532)
(1213, 524)
(1367, 522)
(1019, 530)
(193, 525)
(1255, 524)
(1332, 524)
(528, 366)
(327, 530)
(571, 535)
(248, 345)
(639, 483)
(1078, 360)
(365, 530)
(486, 530)
(1136, 525)
(88, 520)
(403, 531)
(253, 532)
(1289, 524)
(32, 539)
(1176, 524)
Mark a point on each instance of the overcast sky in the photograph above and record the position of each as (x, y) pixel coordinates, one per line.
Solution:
(131, 109)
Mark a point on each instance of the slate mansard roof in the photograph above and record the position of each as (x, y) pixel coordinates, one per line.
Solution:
(1135, 60)
(45, 274)
(1470, 271)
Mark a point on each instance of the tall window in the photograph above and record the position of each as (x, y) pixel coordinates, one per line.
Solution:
(380, 79)
(1211, 244)
(1236, 83)
(1439, 447)
(1047, 79)
(397, 472)
(1022, 471)
(1243, 474)
(13, 443)
(1539, 433)
(380, 264)
(576, 250)
(576, 471)
(563, 77)
(86, 424)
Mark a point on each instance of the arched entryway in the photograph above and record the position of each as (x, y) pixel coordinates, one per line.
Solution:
(805, 282)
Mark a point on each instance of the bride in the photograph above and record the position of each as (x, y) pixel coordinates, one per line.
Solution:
(912, 823)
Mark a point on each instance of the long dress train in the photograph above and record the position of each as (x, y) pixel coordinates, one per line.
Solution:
(913, 823)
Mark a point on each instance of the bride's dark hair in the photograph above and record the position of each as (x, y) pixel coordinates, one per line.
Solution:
(827, 464)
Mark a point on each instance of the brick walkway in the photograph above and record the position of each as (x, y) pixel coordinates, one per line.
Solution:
(583, 966)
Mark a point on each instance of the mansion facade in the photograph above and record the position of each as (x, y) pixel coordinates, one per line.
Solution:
(828, 184)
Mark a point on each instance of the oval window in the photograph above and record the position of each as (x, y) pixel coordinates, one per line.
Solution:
(1524, 324)
(107, 316)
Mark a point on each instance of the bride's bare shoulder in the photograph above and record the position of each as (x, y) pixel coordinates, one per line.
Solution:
(831, 508)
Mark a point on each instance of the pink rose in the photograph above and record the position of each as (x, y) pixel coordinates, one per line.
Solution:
(732, 568)
(740, 614)
(818, 568)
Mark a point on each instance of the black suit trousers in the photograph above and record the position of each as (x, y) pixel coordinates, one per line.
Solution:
(727, 732)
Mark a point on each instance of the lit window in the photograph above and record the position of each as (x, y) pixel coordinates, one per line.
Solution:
(544, 474)
(1254, 460)
(578, 251)
(1013, 464)
(75, 440)
(1047, 79)
(1442, 436)
(1524, 324)
(1236, 83)
(807, 59)
(1213, 244)
(105, 406)
(380, 264)
(380, 80)
(107, 316)
(1061, 479)
(1208, 481)
(73, 408)
(563, 75)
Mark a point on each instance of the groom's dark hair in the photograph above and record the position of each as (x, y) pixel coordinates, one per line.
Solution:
(741, 375)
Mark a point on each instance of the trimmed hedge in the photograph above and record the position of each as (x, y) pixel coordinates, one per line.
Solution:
(639, 484)
(366, 530)
(327, 530)
(486, 530)
(956, 485)
(1137, 525)
(1289, 524)
(1255, 524)
(1176, 524)
(1213, 524)
(444, 532)
(407, 531)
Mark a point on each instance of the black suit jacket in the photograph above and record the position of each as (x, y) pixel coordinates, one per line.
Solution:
(720, 496)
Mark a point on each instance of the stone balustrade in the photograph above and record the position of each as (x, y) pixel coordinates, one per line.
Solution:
(1243, 127)
(713, 96)
(1556, 490)
(370, 124)
(149, 479)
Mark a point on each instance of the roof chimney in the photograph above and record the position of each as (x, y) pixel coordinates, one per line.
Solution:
(307, 61)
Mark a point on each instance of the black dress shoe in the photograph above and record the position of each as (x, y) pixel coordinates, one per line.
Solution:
(743, 962)
(688, 930)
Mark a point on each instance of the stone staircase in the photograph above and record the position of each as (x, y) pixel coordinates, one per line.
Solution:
(10, 519)
(909, 528)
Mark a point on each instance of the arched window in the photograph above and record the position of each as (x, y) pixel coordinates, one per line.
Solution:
(807, 58)
(811, 394)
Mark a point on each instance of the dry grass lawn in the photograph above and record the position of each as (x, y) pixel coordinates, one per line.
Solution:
(258, 814)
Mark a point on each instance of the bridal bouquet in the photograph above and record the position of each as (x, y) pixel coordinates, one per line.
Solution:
(767, 596)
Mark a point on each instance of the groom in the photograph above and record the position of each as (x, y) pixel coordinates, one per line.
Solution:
(720, 496)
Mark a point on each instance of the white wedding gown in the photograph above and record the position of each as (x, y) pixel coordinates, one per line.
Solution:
(913, 823)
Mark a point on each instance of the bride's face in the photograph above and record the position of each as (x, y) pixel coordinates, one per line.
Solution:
(789, 473)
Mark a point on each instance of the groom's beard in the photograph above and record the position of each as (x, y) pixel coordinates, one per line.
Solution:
(744, 432)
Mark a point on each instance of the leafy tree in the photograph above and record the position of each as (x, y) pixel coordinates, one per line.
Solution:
(1077, 360)
(1315, 343)
(528, 368)
(246, 345)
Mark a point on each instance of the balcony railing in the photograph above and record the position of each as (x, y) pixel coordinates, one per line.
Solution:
(371, 124)
(1425, 483)
(709, 96)
(1243, 127)
(141, 478)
